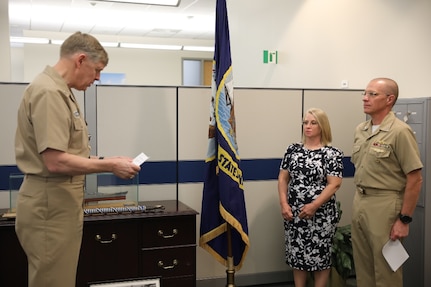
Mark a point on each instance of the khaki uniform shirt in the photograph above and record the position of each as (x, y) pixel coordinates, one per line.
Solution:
(383, 158)
(48, 117)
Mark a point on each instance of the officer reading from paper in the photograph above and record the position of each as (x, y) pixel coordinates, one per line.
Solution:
(52, 150)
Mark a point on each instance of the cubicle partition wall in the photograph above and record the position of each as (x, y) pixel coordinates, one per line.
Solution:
(10, 98)
(170, 125)
(131, 120)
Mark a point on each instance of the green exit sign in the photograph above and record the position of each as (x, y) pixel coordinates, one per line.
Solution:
(270, 57)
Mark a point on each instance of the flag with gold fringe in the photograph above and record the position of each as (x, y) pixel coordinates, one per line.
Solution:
(223, 226)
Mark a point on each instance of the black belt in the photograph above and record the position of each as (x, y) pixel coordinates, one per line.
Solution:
(371, 191)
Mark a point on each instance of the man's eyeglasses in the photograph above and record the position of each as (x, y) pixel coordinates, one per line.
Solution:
(370, 94)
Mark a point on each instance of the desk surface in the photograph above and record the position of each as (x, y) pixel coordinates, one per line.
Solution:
(159, 208)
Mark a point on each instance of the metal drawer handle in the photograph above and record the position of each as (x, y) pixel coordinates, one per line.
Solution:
(174, 232)
(162, 265)
(99, 238)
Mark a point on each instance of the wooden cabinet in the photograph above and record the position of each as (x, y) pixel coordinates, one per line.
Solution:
(109, 251)
(168, 249)
(161, 243)
(13, 262)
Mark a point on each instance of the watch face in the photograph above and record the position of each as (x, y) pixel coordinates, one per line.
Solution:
(405, 218)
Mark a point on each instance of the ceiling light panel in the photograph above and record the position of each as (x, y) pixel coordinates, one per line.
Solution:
(55, 14)
(29, 40)
(199, 48)
(109, 44)
(145, 2)
(152, 47)
(192, 19)
(57, 42)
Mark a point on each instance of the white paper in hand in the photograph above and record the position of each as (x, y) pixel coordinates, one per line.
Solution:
(140, 159)
(395, 254)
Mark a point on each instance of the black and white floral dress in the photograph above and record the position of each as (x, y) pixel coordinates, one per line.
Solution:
(308, 241)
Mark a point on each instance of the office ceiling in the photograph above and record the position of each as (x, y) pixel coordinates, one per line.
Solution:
(192, 19)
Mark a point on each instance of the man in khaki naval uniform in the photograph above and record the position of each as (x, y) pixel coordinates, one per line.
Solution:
(388, 182)
(52, 150)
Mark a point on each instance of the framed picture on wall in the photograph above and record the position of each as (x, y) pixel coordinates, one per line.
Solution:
(148, 282)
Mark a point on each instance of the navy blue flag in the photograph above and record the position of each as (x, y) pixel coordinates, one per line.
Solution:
(223, 195)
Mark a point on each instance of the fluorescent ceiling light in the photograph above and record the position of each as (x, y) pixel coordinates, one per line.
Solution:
(145, 2)
(198, 48)
(29, 40)
(109, 44)
(57, 42)
(104, 44)
(148, 46)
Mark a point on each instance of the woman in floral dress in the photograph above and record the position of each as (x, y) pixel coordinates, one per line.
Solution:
(310, 174)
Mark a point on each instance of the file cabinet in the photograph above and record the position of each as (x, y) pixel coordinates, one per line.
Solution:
(416, 112)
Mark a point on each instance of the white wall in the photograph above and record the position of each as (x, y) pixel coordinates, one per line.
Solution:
(142, 67)
(320, 43)
(5, 71)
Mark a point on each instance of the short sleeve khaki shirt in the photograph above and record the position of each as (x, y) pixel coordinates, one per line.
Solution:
(383, 159)
(48, 117)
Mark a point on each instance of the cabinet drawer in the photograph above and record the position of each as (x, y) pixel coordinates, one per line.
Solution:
(169, 262)
(109, 251)
(186, 281)
(168, 231)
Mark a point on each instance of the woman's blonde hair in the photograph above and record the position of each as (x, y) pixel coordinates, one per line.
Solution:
(323, 122)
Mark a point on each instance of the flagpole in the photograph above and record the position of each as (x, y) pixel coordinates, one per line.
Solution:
(230, 272)
(223, 213)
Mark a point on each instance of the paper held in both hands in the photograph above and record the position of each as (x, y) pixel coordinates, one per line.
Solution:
(140, 159)
(395, 254)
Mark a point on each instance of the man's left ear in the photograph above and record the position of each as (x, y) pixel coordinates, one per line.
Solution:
(81, 58)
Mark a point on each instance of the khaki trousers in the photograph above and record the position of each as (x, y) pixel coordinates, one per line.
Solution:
(49, 224)
(374, 213)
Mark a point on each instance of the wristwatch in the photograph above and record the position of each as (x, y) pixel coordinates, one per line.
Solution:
(405, 218)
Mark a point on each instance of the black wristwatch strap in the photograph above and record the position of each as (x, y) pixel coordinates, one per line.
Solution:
(405, 218)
